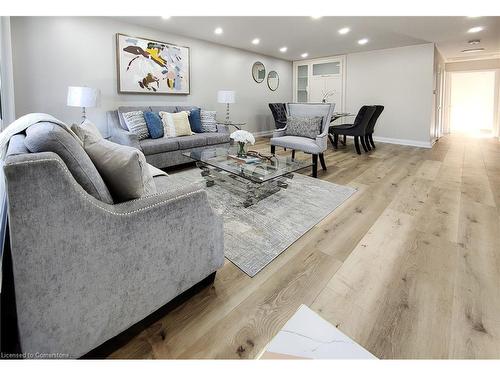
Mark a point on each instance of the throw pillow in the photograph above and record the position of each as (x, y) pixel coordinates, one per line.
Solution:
(136, 124)
(86, 127)
(175, 124)
(123, 168)
(46, 136)
(208, 121)
(195, 120)
(309, 127)
(154, 124)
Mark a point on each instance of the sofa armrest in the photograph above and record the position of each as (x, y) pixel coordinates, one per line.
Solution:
(279, 132)
(119, 135)
(81, 265)
(221, 128)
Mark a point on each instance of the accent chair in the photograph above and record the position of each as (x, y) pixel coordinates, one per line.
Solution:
(316, 147)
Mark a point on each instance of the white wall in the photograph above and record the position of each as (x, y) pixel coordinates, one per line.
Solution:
(52, 53)
(401, 79)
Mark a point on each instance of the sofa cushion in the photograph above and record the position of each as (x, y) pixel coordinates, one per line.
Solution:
(124, 109)
(45, 136)
(164, 108)
(195, 120)
(187, 108)
(124, 168)
(154, 123)
(136, 124)
(196, 140)
(157, 146)
(216, 138)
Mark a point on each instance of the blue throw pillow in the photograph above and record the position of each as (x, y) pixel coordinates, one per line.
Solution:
(154, 124)
(195, 120)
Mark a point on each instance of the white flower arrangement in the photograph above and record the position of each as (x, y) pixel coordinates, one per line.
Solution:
(242, 136)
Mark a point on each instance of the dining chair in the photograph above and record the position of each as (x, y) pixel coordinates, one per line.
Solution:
(371, 126)
(356, 130)
(279, 114)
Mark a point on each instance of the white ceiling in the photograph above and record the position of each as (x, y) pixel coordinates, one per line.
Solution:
(320, 37)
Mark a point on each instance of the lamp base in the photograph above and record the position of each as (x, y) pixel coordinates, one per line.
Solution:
(227, 114)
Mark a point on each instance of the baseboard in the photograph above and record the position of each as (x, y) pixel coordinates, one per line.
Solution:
(403, 142)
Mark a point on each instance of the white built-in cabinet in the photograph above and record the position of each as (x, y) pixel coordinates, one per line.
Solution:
(312, 79)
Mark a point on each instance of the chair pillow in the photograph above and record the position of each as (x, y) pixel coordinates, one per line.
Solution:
(123, 168)
(136, 124)
(175, 124)
(195, 120)
(309, 127)
(154, 124)
(208, 121)
(46, 136)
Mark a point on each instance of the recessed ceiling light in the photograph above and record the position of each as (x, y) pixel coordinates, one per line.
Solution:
(473, 16)
(283, 49)
(475, 29)
(363, 41)
(305, 54)
(316, 17)
(344, 30)
(218, 30)
(165, 17)
(474, 42)
(256, 41)
(471, 50)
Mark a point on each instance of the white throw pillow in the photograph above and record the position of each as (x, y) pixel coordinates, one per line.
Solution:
(175, 124)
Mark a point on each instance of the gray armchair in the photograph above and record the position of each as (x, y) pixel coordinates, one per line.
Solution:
(315, 147)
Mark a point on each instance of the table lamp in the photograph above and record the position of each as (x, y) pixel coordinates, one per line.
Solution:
(227, 97)
(83, 97)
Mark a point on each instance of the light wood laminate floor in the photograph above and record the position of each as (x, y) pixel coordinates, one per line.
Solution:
(409, 267)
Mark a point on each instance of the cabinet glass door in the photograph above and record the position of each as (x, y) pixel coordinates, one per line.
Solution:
(302, 83)
(326, 68)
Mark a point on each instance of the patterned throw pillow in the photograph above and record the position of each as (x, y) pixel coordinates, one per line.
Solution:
(175, 124)
(208, 122)
(136, 124)
(309, 127)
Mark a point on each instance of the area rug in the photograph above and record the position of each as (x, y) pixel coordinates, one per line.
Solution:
(256, 235)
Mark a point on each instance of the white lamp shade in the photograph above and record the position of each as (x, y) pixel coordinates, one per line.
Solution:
(224, 96)
(82, 97)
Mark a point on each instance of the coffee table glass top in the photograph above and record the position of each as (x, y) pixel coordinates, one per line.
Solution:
(260, 171)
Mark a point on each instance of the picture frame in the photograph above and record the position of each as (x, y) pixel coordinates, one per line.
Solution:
(152, 67)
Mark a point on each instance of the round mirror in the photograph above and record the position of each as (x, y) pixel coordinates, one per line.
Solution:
(273, 80)
(258, 72)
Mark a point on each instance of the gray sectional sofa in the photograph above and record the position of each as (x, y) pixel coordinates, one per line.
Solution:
(163, 152)
(85, 270)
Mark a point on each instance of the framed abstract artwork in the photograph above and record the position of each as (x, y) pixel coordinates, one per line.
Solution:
(148, 66)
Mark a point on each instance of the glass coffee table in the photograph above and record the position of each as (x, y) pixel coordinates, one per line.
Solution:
(254, 180)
